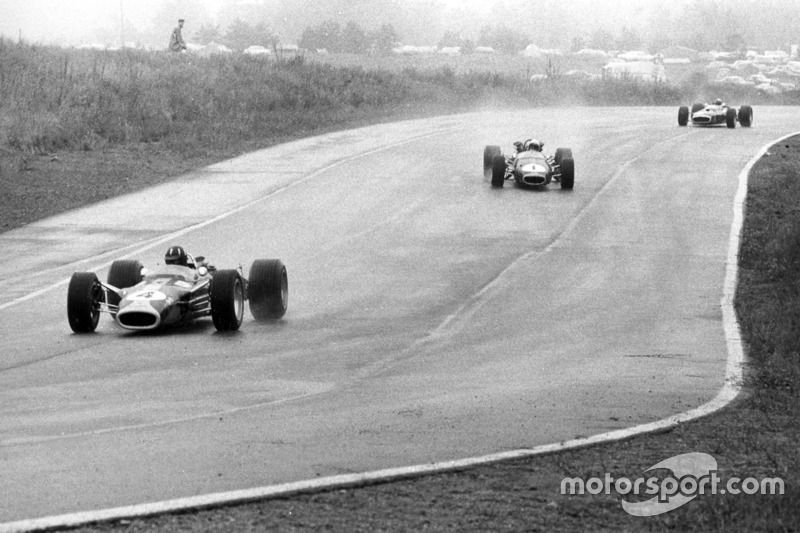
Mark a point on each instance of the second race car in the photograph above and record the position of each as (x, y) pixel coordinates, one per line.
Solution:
(529, 166)
(178, 292)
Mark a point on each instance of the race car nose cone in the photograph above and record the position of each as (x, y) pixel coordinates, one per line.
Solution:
(138, 319)
(533, 179)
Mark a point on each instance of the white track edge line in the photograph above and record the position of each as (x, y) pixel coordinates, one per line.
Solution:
(729, 391)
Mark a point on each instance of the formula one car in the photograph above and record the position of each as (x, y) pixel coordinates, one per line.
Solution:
(715, 114)
(177, 294)
(529, 167)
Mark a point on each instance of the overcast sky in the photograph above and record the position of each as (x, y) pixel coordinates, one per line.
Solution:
(86, 21)
(75, 21)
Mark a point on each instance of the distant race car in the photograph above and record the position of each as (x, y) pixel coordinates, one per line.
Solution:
(715, 114)
(529, 168)
(175, 294)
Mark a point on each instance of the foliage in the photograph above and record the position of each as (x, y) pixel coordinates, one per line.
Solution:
(601, 39)
(455, 39)
(503, 39)
(352, 39)
(734, 42)
(208, 33)
(325, 35)
(578, 44)
(628, 39)
(384, 39)
(242, 34)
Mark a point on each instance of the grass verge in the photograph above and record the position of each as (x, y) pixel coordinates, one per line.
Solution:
(754, 437)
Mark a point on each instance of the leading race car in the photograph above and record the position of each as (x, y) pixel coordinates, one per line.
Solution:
(177, 294)
(715, 114)
(528, 166)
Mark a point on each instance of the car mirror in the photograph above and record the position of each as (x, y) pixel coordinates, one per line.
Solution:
(202, 271)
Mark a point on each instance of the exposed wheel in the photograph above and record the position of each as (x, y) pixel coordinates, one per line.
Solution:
(122, 274)
(83, 302)
(746, 116)
(683, 116)
(498, 170)
(562, 153)
(730, 117)
(268, 289)
(697, 107)
(489, 154)
(567, 173)
(227, 300)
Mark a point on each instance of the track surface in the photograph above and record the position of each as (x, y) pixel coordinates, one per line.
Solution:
(431, 317)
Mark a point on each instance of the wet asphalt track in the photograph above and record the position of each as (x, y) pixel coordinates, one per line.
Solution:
(431, 317)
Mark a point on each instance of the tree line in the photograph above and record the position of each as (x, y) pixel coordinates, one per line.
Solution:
(352, 38)
(700, 24)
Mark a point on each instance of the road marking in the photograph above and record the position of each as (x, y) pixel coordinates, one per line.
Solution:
(729, 391)
(466, 310)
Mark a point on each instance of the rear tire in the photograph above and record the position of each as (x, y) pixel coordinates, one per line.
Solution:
(227, 300)
(746, 116)
(730, 118)
(83, 302)
(122, 274)
(683, 116)
(567, 173)
(489, 154)
(498, 171)
(268, 289)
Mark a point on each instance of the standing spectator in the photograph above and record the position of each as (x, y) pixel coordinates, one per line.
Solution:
(176, 42)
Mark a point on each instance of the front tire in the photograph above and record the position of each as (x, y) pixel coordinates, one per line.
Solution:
(489, 154)
(746, 116)
(683, 116)
(498, 171)
(83, 302)
(268, 289)
(122, 274)
(227, 300)
(567, 173)
(697, 107)
(730, 118)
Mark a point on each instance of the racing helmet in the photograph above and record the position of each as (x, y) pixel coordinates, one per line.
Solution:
(533, 144)
(176, 255)
(718, 101)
